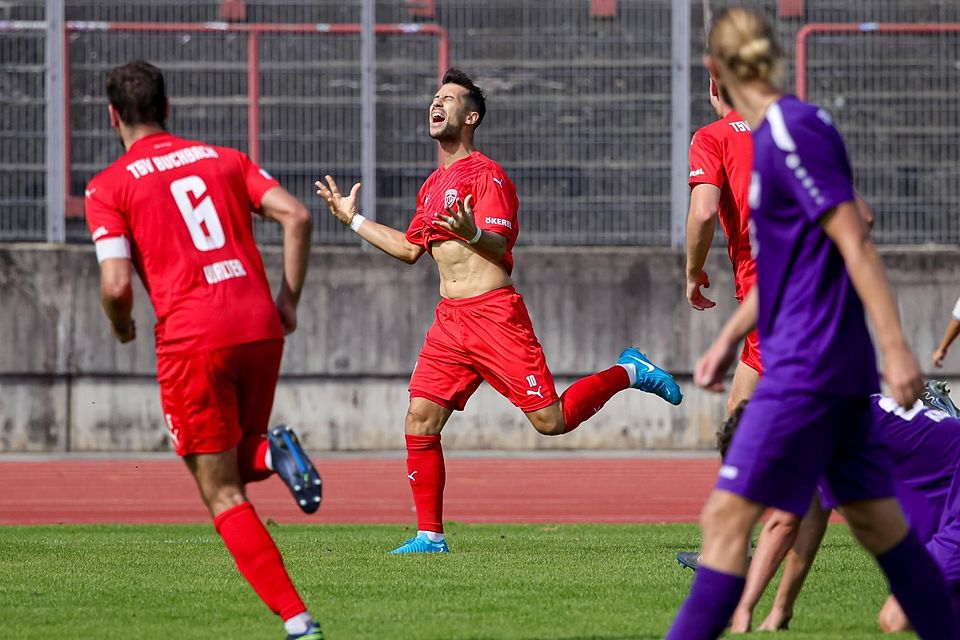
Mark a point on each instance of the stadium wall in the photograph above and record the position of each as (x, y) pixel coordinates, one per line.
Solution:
(65, 384)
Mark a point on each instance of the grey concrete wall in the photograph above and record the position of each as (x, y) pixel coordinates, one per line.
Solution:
(66, 384)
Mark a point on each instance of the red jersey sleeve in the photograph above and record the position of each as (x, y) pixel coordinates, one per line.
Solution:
(495, 204)
(108, 226)
(706, 160)
(415, 233)
(257, 180)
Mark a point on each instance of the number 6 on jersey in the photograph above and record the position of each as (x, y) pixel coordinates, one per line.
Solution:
(185, 192)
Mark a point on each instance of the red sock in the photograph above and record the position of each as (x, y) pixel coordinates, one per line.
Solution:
(427, 476)
(588, 395)
(252, 459)
(258, 559)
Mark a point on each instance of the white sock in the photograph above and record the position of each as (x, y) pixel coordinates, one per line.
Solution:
(268, 460)
(432, 536)
(298, 623)
(631, 370)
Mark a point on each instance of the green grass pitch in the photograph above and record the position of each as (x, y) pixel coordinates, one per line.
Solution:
(535, 582)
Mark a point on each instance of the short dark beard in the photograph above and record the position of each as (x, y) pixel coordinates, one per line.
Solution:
(449, 133)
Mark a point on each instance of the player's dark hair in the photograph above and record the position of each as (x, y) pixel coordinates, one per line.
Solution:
(137, 93)
(475, 99)
(729, 427)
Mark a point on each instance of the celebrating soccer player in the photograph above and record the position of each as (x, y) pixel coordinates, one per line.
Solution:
(810, 415)
(466, 218)
(179, 210)
(720, 159)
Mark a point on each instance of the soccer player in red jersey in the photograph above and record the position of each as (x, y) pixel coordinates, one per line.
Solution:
(721, 157)
(466, 218)
(179, 212)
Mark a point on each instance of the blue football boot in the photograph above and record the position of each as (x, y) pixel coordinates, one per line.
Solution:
(313, 633)
(650, 377)
(421, 544)
(937, 396)
(689, 559)
(294, 468)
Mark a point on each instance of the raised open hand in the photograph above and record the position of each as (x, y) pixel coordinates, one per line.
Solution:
(342, 207)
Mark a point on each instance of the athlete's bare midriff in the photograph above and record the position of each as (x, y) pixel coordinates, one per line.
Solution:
(464, 273)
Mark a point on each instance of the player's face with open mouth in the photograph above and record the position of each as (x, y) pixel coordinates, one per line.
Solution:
(447, 112)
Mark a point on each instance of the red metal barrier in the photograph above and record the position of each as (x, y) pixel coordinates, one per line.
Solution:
(859, 27)
(74, 204)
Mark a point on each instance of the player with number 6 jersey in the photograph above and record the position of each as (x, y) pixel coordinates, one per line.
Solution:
(181, 210)
(178, 211)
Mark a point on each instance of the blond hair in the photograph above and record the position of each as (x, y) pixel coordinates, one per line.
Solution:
(744, 42)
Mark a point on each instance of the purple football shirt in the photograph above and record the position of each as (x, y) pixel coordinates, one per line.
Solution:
(924, 447)
(811, 321)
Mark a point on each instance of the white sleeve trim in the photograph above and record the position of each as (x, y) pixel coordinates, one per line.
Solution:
(118, 247)
(956, 311)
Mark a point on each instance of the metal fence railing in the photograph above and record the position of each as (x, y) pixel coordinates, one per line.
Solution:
(579, 93)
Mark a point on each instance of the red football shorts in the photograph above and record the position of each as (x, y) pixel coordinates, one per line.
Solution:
(750, 355)
(486, 337)
(212, 399)
(745, 278)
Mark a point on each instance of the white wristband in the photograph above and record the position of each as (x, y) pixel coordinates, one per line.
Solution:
(476, 238)
(356, 221)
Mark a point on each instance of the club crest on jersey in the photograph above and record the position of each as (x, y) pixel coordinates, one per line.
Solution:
(450, 197)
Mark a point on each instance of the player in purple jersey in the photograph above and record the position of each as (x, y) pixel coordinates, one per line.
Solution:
(924, 444)
(817, 269)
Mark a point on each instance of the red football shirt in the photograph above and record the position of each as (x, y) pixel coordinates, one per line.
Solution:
(180, 209)
(721, 154)
(494, 202)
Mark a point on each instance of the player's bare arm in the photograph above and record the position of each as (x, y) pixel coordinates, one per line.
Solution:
(949, 335)
(116, 297)
(277, 204)
(713, 365)
(701, 225)
(846, 228)
(459, 220)
(345, 210)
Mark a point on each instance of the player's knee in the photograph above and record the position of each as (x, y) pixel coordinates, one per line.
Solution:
(892, 619)
(784, 522)
(548, 421)
(421, 423)
(548, 426)
(878, 525)
(724, 518)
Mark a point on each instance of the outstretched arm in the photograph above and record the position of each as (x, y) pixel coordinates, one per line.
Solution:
(799, 561)
(277, 204)
(701, 225)
(461, 222)
(344, 209)
(844, 225)
(949, 335)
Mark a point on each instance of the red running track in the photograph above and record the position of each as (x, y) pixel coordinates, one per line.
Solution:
(368, 490)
